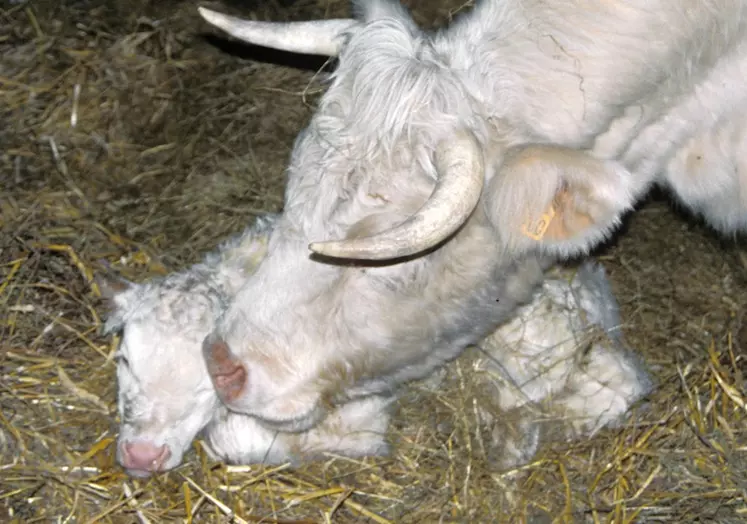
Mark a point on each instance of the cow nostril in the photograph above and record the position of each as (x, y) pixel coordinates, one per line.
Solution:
(229, 379)
(228, 374)
(229, 385)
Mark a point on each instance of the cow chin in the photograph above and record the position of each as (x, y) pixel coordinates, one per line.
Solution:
(256, 387)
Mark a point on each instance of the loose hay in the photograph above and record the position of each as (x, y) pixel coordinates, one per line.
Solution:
(128, 139)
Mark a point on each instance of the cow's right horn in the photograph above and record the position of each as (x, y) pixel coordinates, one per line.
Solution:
(460, 167)
(316, 37)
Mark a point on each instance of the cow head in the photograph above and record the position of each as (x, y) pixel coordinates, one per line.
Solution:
(418, 210)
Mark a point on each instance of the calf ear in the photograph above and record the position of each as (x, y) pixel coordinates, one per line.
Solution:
(111, 286)
(115, 292)
(561, 201)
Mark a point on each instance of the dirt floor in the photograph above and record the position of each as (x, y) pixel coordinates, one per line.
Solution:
(131, 135)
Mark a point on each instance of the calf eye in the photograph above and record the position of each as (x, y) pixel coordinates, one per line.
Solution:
(119, 358)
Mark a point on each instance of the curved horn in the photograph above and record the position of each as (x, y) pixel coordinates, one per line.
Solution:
(459, 164)
(317, 37)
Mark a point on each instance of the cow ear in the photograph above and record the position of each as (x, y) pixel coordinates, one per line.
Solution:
(560, 201)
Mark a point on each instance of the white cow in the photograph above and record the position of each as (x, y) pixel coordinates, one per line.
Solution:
(467, 159)
(544, 355)
(165, 394)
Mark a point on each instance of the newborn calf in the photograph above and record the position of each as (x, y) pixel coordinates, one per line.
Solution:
(166, 397)
(560, 360)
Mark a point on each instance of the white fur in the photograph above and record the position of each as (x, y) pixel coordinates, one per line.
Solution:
(697, 146)
(564, 354)
(165, 393)
(709, 175)
(590, 90)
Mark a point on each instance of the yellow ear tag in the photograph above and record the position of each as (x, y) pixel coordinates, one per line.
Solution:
(536, 229)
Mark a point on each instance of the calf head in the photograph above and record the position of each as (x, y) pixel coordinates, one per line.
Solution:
(418, 209)
(165, 396)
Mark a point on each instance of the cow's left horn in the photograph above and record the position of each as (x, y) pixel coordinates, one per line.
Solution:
(316, 37)
(459, 163)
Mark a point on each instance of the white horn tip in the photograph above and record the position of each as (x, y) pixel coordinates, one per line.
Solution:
(214, 17)
(206, 13)
(323, 248)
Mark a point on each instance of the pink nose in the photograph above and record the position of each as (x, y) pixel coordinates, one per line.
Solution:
(144, 456)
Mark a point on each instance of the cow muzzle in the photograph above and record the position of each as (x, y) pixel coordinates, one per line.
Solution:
(228, 374)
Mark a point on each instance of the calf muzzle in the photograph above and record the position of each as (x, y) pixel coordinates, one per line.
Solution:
(142, 458)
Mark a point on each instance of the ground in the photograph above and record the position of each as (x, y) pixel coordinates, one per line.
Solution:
(131, 136)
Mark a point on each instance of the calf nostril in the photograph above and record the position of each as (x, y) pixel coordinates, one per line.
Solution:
(162, 457)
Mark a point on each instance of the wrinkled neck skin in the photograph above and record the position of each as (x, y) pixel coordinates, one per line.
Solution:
(237, 439)
(632, 81)
(355, 429)
(468, 287)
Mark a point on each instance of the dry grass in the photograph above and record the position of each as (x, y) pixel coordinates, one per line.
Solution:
(128, 137)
